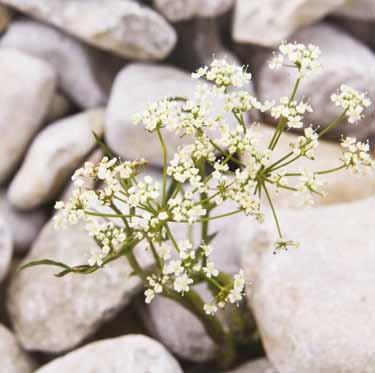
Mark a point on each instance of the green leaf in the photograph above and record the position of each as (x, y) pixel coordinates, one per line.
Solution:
(44, 262)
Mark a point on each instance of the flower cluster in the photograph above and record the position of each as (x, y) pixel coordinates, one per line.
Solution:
(305, 59)
(351, 101)
(306, 144)
(356, 155)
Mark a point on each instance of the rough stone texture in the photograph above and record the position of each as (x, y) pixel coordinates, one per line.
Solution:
(23, 106)
(13, 359)
(24, 226)
(76, 64)
(53, 156)
(123, 27)
(357, 69)
(343, 186)
(5, 17)
(358, 9)
(257, 366)
(6, 248)
(180, 10)
(55, 314)
(60, 106)
(131, 353)
(137, 86)
(314, 306)
(269, 22)
(183, 334)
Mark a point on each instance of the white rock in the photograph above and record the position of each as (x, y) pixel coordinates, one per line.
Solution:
(357, 69)
(24, 226)
(55, 314)
(180, 10)
(131, 353)
(343, 186)
(257, 366)
(137, 86)
(314, 306)
(13, 359)
(75, 63)
(6, 248)
(23, 106)
(60, 106)
(269, 22)
(358, 9)
(123, 27)
(53, 156)
(5, 17)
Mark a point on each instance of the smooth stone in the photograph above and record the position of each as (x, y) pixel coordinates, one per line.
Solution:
(123, 27)
(5, 17)
(24, 225)
(53, 156)
(59, 107)
(341, 187)
(22, 105)
(135, 88)
(181, 10)
(77, 65)
(6, 248)
(357, 69)
(268, 23)
(357, 9)
(256, 366)
(13, 359)
(313, 305)
(132, 353)
(52, 314)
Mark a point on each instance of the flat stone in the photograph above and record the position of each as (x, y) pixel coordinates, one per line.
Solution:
(357, 69)
(257, 366)
(52, 158)
(13, 359)
(357, 9)
(22, 105)
(313, 305)
(77, 65)
(52, 314)
(268, 23)
(131, 353)
(181, 10)
(24, 225)
(123, 27)
(6, 248)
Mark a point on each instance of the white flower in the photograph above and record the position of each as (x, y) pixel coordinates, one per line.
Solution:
(283, 244)
(306, 144)
(163, 215)
(210, 309)
(150, 295)
(356, 155)
(352, 101)
(164, 251)
(237, 292)
(181, 283)
(96, 258)
(210, 270)
(309, 184)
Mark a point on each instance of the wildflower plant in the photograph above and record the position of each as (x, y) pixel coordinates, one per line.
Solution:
(128, 208)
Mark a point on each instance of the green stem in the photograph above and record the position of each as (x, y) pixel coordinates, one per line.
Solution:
(333, 124)
(273, 211)
(165, 160)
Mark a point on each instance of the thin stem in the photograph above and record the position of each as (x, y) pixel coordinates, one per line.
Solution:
(333, 124)
(165, 160)
(171, 237)
(330, 170)
(212, 217)
(102, 215)
(273, 211)
(155, 254)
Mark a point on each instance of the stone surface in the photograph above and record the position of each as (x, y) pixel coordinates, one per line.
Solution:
(60, 106)
(313, 305)
(341, 187)
(6, 248)
(123, 27)
(76, 64)
(131, 353)
(56, 314)
(53, 156)
(5, 17)
(257, 366)
(357, 69)
(23, 106)
(13, 359)
(24, 226)
(358, 9)
(269, 22)
(180, 10)
(137, 86)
